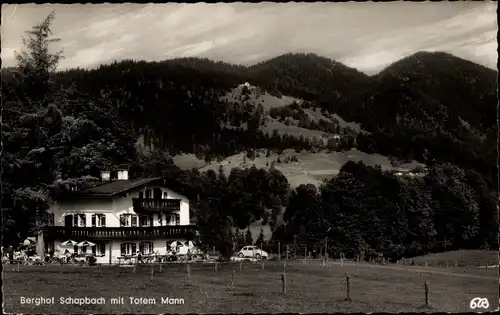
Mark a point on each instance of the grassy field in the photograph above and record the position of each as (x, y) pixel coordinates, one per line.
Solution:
(311, 288)
(461, 257)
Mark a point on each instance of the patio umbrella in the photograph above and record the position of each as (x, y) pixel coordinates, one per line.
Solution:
(28, 242)
(85, 243)
(69, 243)
(175, 244)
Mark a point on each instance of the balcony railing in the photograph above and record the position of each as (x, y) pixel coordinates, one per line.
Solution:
(155, 205)
(89, 233)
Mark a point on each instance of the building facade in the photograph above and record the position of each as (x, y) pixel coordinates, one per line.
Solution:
(121, 217)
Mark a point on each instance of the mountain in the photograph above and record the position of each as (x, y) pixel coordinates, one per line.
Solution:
(428, 107)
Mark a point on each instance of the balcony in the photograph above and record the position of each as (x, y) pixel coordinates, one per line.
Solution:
(142, 205)
(125, 233)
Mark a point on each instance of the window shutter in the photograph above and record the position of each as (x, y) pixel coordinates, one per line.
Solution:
(134, 220)
(134, 249)
(141, 248)
(75, 220)
(122, 220)
(83, 220)
(94, 250)
(123, 250)
(75, 249)
(103, 220)
(93, 218)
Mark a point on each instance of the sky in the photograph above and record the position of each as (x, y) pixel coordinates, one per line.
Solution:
(367, 36)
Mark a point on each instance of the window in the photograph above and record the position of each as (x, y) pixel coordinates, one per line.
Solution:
(148, 193)
(124, 219)
(146, 248)
(165, 195)
(141, 195)
(128, 249)
(144, 220)
(177, 219)
(127, 220)
(160, 219)
(79, 220)
(171, 219)
(99, 250)
(99, 220)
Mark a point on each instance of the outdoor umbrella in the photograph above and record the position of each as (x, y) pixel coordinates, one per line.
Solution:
(85, 243)
(69, 243)
(28, 242)
(175, 244)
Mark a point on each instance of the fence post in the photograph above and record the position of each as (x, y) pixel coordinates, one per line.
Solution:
(446, 263)
(241, 264)
(426, 264)
(279, 251)
(348, 281)
(134, 269)
(160, 265)
(18, 266)
(283, 283)
(215, 267)
(456, 263)
(152, 272)
(232, 279)
(426, 293)
(486, 267)
(189, 272)
(341, 259)
(287, 250)
(262, 265)
(98, 269)
(305, 254)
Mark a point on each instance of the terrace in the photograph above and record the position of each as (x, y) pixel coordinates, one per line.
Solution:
(125, 233)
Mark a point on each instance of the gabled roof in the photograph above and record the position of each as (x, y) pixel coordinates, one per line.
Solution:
(115, 187)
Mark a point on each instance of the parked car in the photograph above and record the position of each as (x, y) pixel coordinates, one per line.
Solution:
(253, 251)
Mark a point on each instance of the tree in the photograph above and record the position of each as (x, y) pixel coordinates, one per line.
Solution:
(37, 65)
(248, 237)
(260, 238)
(54, 139)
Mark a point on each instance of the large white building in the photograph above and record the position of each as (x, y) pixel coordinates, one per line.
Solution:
(121, 217)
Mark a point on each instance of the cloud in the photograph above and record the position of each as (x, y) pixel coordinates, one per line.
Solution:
(367, 36)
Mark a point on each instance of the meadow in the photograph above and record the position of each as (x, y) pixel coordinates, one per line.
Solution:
(310, 288)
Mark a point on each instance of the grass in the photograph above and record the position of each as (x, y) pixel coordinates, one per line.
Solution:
(461, 257)
(311, 288)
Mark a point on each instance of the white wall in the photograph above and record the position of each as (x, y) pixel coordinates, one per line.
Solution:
(113, 208)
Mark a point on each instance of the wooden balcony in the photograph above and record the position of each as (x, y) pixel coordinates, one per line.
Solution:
(142, 205)
(126, 233)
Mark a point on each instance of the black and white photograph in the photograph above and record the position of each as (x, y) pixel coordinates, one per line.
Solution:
(250, 158)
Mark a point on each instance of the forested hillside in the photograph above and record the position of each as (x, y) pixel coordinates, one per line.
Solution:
(62, 128)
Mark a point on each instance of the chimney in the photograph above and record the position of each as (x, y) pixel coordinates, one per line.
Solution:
(122, 175)
(105, 176)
